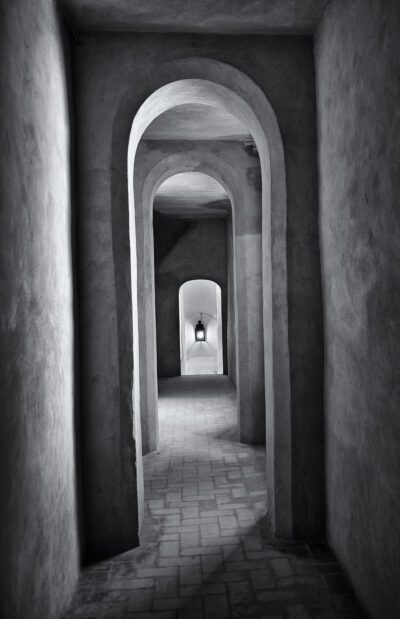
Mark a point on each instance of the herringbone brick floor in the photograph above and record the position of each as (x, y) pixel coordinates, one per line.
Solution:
(206, 549)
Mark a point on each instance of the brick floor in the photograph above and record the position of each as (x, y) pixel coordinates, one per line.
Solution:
(206, 549)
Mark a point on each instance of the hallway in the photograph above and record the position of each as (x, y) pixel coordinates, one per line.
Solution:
(206, 551)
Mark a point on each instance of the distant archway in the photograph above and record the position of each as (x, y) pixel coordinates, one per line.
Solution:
(200, 302)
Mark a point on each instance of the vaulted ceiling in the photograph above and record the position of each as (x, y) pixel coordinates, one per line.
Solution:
(192, 194)
(196, 122)
(195, 194)
(203, 16)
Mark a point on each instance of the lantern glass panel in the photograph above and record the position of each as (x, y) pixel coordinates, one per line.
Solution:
(200, 332)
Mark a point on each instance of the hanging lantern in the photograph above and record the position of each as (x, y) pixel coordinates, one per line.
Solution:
(200, 331)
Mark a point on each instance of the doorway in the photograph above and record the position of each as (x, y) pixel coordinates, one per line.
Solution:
(200, 328)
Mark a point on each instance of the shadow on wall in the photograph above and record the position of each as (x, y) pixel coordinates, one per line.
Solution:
(201, 350)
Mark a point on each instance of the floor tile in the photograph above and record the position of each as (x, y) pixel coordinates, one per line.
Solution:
(206, 548)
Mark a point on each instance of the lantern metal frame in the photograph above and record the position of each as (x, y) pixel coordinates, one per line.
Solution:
(200, 331)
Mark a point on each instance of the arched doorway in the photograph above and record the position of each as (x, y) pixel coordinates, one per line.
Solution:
(200, 328)
(113, 362)
(234, 92)
(245, 367)
(190, 218)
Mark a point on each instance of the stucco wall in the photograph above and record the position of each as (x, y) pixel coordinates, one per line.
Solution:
(38, 522)
(358, 89)
(199, 253)
(239, 171)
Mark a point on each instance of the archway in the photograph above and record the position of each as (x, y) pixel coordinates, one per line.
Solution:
(201, 349)
(234, 91)
(246, 366)
(111, 243)
(190, 215)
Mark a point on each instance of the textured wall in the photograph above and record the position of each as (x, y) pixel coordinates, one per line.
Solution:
(199, 253)
(38, 522)
(358, 68)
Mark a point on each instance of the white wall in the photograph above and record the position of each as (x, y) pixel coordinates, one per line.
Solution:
(195, 297)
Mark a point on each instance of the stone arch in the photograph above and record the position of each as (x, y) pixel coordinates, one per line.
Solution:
(236, 92)
(145, 190)
(144, 194)
(189, 346)
(215, 280)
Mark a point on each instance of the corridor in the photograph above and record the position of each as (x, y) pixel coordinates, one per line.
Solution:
(206, 550)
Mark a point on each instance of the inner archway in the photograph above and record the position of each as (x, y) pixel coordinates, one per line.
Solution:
(232, 171)
(200, 328)
(191, 221)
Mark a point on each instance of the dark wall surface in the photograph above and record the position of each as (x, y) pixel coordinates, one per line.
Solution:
(184, 250)
(358, 88)
(39, 560)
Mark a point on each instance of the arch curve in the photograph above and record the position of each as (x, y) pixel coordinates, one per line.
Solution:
(190, 161)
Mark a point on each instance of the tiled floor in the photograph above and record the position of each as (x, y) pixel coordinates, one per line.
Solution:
(206, 550)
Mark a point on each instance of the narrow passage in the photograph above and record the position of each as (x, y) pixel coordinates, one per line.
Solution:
(206, 549)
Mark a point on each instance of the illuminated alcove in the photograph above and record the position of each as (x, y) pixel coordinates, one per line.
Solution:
(200, 321)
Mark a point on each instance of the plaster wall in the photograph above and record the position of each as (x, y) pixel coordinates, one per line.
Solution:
(358, 91)
(39, 558)
(108, 67)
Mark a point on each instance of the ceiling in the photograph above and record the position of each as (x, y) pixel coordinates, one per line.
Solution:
(192, 194)
(203, 16)
(196, 122)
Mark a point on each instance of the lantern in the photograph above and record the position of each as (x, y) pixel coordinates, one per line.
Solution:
(200, 331)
